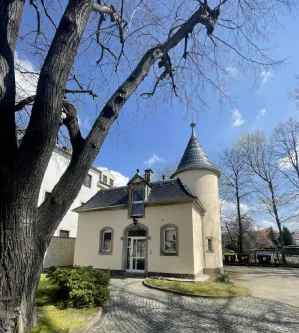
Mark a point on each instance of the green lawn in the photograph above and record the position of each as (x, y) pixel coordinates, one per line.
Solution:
(207, 288)
(232, 275)
(51, 318)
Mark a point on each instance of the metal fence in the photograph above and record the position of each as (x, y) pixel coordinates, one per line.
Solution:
(292, 259)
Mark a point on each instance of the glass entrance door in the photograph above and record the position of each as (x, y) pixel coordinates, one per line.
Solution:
(136, 254)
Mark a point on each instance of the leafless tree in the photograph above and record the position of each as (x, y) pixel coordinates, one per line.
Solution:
(285, 142)
(232, 225)
(103, 51)
(167, 170)
(274, 197)
(234, 188)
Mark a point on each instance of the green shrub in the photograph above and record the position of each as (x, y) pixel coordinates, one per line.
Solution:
(80, 287)
(223, 278)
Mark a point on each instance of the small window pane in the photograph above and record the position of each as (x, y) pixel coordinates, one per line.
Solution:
(210, 244)
(140, 264)
(170, 247)
(170, 235)
(138, 195)
(137, 209)
(105, 179)
(107, 241)
(87, 181)
(111, 182)
(64, 233)
(170, 240)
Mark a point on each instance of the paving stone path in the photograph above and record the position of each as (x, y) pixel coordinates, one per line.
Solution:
(134, 308)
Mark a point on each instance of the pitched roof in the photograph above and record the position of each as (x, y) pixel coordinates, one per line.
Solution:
(162, 192)
(194, 157)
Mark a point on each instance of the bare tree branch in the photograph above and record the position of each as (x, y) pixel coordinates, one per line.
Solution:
(81, 91)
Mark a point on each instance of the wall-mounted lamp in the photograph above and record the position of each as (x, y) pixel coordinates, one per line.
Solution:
(135, 221)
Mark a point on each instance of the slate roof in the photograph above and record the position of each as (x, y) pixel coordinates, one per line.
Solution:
(194, 157)
(161, 192)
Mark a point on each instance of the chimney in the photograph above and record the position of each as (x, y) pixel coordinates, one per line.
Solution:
(148, 175)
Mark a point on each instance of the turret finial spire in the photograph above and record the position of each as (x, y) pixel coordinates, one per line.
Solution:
(193, 125)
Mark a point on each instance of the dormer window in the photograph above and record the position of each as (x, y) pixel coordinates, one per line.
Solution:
(137, 202)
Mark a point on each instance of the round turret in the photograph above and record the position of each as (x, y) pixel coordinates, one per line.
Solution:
(201, 177)
(196, 171)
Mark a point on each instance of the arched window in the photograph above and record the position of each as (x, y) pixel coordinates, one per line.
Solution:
(169, 239)
(106, 240)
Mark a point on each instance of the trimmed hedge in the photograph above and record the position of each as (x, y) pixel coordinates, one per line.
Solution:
(81, 287)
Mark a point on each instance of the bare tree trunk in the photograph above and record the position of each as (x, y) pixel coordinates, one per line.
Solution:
(278, 225)
(21, 260)
(23, 239)
(239, 222)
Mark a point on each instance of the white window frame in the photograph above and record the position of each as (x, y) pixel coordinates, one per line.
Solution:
(174, 241)
(138, 201)
(107, 231)
(105, 179)
(90, 180)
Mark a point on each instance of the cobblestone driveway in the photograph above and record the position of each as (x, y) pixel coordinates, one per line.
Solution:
(134, 308)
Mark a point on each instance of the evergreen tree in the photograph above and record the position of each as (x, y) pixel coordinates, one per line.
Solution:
(272, 237)
(287, 237)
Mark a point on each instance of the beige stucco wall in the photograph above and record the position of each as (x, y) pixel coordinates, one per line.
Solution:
(60, 252)
(90, 224)
(197, 240)
(204, 184)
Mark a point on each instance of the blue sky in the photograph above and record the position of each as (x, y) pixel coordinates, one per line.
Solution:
(167, 132)
(163, 130)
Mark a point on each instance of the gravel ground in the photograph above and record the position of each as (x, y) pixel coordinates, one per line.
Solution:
(134, 308)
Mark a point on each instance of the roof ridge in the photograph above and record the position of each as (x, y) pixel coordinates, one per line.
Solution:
(163, 181)
(185, 188)
(113, 188)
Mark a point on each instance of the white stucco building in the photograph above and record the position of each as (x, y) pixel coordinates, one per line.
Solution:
(94, 181)
(169, 227)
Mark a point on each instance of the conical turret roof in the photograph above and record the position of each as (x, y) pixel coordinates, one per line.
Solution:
(194, 157)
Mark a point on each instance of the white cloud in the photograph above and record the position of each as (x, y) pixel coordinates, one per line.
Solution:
(266, 224)
(231, 70)
(79, 120)
(260, 114)
(26, 79)
(285, 163)
(237, 118)
(229, 208)
(119, 178)
(153, 160)
(265, 77)
(84, 121)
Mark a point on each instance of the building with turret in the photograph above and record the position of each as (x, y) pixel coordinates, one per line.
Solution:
(169, 227)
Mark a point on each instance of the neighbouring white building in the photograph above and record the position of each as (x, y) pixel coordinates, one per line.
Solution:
(295, 236)
(61, 249)
(169, 227)
(94, 181)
